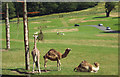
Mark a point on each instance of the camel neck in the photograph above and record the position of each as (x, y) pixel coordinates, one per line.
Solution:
(65, 54)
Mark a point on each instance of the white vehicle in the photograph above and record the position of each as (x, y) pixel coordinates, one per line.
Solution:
(108, 28)
(100, 24)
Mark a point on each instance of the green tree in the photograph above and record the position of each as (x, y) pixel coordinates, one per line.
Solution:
(66, 6)
(11, 9)
(109, 6)
(18, 8)
(50, 7)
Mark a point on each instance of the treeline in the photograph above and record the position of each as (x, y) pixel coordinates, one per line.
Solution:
(44, 8)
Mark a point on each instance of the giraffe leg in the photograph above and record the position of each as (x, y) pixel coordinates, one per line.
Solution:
(38, 66)
(33, 66)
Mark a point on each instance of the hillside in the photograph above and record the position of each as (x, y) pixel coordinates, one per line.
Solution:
(87, 43)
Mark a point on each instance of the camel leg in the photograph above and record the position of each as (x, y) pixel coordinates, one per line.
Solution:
(58, 65)
(45, 61)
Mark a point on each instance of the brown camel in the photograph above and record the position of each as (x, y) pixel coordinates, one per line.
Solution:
(35, 54)
(87, 67)
(54, 55)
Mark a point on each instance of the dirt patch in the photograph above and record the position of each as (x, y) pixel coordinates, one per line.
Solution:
(92, 20)
(48, 21)
(80, 20)
(13, 40)
(111, 15)
(36, 22)
(76, 20)
(3, 50)
(114, 15)
(63, 30)
(42, 22)
(107, 35)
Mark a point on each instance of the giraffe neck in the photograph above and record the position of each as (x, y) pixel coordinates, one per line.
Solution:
(35, 43)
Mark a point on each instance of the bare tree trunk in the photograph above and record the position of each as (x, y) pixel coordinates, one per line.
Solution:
(107, 14)
(7, 27)
(26, 37)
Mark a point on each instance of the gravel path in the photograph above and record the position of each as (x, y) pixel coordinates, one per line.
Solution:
(103, 28)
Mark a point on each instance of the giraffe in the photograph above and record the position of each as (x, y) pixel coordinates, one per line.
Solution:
(35, 54)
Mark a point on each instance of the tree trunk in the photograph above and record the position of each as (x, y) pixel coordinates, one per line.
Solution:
(107, 14)
(26, 37)
(7, 27)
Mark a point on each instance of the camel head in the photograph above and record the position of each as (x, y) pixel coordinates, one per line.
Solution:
(96, 64)
(68, 50)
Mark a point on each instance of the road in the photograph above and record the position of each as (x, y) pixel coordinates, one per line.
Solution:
(104, 29)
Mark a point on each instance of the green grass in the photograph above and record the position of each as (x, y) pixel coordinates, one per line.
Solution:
(87, 43)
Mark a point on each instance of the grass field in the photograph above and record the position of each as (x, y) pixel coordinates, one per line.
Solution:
(87, 43)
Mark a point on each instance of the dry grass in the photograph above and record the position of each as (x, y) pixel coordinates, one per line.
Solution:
(61, 30)
(80, 20)
(64, 22)
(75, 20)
(41, 22)
(102, 43)
(108, 35)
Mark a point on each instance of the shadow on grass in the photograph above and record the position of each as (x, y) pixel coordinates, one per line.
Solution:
(3, 49)
(112, 32)
(116, 18)
(24, 71)
(18, 70)
(117, 24)
(12, 49)
(100, 17)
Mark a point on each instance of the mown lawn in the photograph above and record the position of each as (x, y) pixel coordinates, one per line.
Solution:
(87, 43)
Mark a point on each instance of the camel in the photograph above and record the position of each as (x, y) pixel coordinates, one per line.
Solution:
(87, 67)
(54, 55)
(35, 54)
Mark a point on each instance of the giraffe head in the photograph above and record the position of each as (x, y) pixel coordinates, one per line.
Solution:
(35, 35)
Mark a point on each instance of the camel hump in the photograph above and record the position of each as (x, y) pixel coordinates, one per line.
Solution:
(52, 50)
(52, 53)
